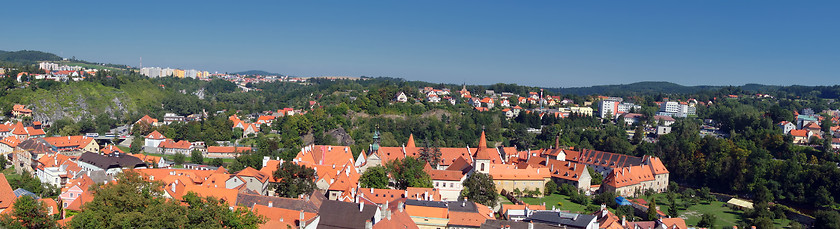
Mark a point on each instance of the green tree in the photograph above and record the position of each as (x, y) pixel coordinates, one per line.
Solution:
(218, 162)
(430, 155)
(479, 187)
(136, 145)
(28, 213)
(597, 178)
(827, 220)
(179, 158)
(211, 212)
(294, 179)
(196, 157)
(707, 220)
(135, 202)
(651, 211)
(374, 177)
(409, 172)
(639, 135)
(673, 210)
(550, 188)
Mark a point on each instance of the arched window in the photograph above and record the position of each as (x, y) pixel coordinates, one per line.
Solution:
(482, 167)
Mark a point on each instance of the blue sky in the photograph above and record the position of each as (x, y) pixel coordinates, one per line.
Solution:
(538, 43)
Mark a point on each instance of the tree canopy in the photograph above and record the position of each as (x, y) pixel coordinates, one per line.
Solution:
(294, 179)
(479, 187)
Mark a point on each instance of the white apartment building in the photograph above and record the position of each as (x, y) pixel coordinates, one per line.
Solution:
(676, 109)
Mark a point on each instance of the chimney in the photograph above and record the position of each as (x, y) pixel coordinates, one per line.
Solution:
(371, 190)
(530, 225)
(401, 206)
(361, 206)
(302, 221)
(623, 220)
(270, 204)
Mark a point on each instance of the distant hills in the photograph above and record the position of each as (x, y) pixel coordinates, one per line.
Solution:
(27, 57)
(646, 87)
(257, 72)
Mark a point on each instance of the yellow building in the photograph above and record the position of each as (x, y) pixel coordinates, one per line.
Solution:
(508, 177)
(179, 73)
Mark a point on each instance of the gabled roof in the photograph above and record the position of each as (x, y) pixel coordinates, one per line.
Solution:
(147, 119)
(447, 175)
(36, 146)
(170, 144)
(106, 162)
(381, 196)
(566, 170)
(600, 158)
(466, 219)
(428, 209)
(251, 172)
(7, 196)
(109, 149)
(423, 193)
(311, 206)
(21, 108)
(77, 204)
(337, 214)
(656, 165)
(229, 196)
(799, 133)
(399, 219)
(510, 172)
(279, 215)
(675, 223)
(74, 142)
(155, 135)
(631, 175)
(10, 141)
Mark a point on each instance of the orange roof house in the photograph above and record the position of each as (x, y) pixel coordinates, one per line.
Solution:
(279, 217)
(71, 143)
(109, 149)
(148, 120)
(19, 110)
(155, 135)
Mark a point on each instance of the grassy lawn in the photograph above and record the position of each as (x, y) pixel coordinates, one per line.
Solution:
(10, 173)
(556, 200)
(726, 217)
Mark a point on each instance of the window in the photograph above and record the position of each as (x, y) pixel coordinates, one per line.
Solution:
(482, 167)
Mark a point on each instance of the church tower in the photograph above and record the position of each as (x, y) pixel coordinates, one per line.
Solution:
(482, 156)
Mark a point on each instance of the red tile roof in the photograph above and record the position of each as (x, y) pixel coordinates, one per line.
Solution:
(799, 133)
(156, 135)
(147, 119)
(170, 144)
(7, 195)
(466, 219)
(109, 149)
(75, 142)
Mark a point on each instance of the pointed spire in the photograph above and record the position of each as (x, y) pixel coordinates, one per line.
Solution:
(410, 141)
(482, 141)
